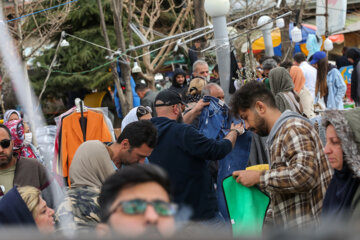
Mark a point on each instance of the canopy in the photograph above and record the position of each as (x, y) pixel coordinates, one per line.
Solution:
(306, 29)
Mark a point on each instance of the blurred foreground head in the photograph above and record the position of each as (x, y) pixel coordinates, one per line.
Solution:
(24, 207)
(135, 201)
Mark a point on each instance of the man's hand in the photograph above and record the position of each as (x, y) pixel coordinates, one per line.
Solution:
(200, 105)
(239, 127)
(190, 116)
(247, 178)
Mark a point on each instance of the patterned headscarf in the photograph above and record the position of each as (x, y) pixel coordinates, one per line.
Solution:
(8, 114)
(17, 131)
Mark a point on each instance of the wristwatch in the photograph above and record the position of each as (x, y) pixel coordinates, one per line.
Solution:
(238, 132)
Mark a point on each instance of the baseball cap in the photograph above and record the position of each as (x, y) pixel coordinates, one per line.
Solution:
(317, 56)
(167, 98)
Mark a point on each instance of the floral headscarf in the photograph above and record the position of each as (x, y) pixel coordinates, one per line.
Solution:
(17, 131)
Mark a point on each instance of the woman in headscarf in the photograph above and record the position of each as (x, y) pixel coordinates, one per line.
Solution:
(193, 94)
(306, 99)
(353, 55)
(11, 115)
(342, 198)
(22, 145)
(24, 207)
(80, 209)
(136, 114)
(282, 87)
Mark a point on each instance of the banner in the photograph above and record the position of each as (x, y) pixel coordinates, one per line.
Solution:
(336, 16)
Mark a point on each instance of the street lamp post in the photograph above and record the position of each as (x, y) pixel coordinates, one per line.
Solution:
(217, 10)
(266, 30)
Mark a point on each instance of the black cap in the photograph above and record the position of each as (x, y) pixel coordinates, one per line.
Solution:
(167, 98)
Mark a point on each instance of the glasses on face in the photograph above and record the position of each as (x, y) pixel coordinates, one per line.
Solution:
(5, 143)
(138, 206)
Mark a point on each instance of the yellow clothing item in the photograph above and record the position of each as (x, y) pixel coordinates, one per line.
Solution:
(259, 167)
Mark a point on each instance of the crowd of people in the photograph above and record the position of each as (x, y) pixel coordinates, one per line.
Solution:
(164, 171)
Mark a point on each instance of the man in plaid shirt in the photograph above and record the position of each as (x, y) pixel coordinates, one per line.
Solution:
(299, 172)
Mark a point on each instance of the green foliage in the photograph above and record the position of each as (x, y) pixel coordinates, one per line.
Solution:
(83, 22)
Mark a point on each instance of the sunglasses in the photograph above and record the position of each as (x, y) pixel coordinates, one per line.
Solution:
(138, 206)
(141, 111)
(5, 143)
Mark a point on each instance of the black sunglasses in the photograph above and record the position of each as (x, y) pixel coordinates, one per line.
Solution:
(5, 143)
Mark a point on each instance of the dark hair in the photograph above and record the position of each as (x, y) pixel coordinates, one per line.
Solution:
(263, 58)
(140, 87)
(322, 71)
(286, 64)
(127, 177)
(246, 97)
(299, 57)
(138, 133)
(6, 129)
(277, 59)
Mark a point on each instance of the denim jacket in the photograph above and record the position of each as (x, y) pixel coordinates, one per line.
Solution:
(215, 122)
(336, 90)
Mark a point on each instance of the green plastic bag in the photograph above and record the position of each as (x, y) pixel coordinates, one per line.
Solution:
(246, 206)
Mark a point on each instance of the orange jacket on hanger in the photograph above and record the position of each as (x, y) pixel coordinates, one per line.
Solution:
(72, 136)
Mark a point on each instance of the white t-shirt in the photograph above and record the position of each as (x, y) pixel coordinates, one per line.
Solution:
(310, 74)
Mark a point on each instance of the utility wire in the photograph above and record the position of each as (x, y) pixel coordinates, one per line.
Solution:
(44, 10)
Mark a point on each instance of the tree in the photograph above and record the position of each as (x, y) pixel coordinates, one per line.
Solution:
(81, 65)
(33, 32)
(168, 17)
(199, 13)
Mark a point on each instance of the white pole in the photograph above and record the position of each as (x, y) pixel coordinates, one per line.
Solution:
(269, 50)
(222, 53)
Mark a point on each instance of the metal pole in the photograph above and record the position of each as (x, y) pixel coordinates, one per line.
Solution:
(326, 18)
(222, 53)
(269, 50)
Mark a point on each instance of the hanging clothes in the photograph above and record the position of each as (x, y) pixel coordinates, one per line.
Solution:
(57, 148)
(72, 136)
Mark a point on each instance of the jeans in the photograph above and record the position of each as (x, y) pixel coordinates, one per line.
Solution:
(215, 122)
(213, 118)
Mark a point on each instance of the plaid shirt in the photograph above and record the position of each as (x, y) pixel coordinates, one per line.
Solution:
(298, 177)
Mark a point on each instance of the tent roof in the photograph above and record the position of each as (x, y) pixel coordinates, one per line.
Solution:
(355, 27)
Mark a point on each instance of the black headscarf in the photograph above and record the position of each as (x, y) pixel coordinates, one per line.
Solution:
(354, 54)
(340, 192)
(13, 210)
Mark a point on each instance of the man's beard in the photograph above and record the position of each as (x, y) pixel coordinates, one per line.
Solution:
(260, 126)
(5, 162)
(179, 118)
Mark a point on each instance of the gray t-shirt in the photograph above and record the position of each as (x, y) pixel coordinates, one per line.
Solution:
(7, 178)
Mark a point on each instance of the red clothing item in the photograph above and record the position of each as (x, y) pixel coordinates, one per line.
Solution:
(72, 136)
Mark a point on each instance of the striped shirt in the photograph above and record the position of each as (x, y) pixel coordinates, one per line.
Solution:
(298, 177)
